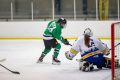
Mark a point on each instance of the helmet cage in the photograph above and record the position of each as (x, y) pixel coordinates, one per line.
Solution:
(62, 21)
(88, 32)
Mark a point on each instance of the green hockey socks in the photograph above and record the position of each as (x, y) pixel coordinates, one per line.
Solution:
(44, 53)
(56, 50)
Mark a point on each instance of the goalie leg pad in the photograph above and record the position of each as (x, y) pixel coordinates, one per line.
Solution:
(86, 66)
(107, 62)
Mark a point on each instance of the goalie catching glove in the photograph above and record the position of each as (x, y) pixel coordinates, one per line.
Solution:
(69, 55)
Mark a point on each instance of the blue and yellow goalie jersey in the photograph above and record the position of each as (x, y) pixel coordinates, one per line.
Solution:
(87, 53)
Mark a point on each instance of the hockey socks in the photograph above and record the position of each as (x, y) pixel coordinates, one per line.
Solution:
(44, 53)
(57, 49)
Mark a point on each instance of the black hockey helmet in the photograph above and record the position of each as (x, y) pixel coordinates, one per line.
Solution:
(62, 21)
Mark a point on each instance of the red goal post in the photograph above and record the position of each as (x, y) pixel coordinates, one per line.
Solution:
(115, 51)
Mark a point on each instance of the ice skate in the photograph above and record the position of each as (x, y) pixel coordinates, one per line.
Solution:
(55, 61)
(40, 60)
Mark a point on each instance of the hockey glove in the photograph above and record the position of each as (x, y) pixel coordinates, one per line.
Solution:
(66, 42)
(68, 55)
(107, 52)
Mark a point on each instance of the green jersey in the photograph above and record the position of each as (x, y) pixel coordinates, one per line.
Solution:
(53, 30)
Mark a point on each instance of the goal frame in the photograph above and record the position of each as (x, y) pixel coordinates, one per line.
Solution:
(113, 50)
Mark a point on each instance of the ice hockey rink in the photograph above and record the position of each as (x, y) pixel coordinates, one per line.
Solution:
(21, 56)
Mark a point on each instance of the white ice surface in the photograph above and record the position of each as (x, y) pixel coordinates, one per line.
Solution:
(21, 55)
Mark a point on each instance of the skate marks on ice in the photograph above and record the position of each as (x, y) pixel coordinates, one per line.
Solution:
(29, 69)
(73, 73)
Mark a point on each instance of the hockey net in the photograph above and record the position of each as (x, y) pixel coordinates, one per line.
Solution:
(115, 50)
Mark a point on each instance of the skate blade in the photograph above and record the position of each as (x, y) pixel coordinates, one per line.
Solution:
(55, 63)
(39, 61)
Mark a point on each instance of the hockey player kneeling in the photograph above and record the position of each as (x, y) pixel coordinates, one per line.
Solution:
(92, 51)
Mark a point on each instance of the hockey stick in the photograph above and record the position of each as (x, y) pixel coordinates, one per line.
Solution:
(70, 44)
(15, 72)
(2, 60)
(115, 46)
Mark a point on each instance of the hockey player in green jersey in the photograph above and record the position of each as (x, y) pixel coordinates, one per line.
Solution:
(53, 32)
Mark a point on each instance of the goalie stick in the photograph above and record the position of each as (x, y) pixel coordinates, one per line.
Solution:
(2, 60)
(115, 46)
(15, 72)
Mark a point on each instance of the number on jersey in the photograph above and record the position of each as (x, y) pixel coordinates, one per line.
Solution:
(51, 29)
